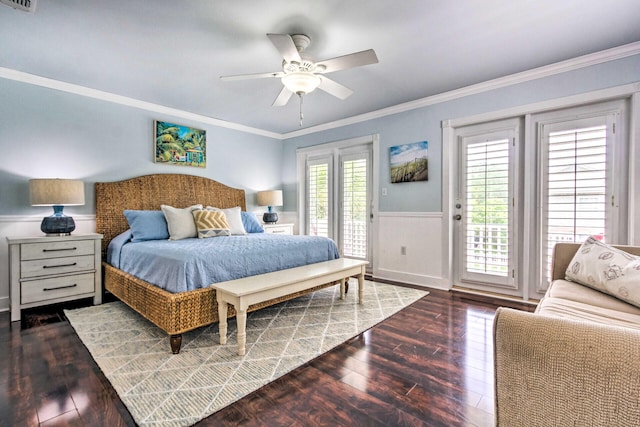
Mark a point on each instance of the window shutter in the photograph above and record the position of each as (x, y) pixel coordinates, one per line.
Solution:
(354, 208)
(486, 227)
(576, 186)
(318, 198)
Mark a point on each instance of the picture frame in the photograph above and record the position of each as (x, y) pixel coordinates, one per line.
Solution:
(409, 162)
(179, 145)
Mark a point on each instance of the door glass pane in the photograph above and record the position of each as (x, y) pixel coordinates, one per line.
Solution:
(318, 200)
(354, 208)
(486, 235)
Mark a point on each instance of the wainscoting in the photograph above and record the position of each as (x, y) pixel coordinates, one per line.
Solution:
(409, 249)
(421, 235)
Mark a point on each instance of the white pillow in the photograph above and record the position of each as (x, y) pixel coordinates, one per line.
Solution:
(234, 218)
(607, 269)
(180, 222)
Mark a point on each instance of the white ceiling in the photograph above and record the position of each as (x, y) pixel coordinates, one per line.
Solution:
(172, 52)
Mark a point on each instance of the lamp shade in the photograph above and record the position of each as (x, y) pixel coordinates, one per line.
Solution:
(301, 83)
(270, 198)
(56, 192)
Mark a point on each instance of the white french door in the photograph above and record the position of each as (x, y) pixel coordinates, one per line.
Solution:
(338, 198)
(485, 213)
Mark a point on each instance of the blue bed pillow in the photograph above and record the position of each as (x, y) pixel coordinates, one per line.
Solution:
(147, 225)
(251, 223)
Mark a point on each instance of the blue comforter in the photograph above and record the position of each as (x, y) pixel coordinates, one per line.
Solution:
(182, 265)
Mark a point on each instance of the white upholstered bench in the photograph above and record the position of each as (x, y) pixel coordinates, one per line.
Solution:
(242, 293)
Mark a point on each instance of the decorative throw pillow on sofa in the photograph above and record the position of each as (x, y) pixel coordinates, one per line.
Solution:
(180, 221)
(607, 269)
(211, 223)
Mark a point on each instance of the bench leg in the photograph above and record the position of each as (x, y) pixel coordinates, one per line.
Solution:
(360, 287)
(222, 321)
(241, 317)
(343, 288)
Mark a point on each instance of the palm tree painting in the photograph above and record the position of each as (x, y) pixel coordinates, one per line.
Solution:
(409, 162)
(179, 145)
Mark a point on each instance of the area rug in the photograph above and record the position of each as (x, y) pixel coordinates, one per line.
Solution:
(163, 389)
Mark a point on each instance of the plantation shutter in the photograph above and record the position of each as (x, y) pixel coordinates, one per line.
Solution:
(355, 203)
(318, 206)
(486, 223)
(576, 183)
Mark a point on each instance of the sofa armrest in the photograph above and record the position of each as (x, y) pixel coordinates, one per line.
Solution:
(561, 372)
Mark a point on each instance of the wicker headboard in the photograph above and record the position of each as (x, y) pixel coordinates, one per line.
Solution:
(148, 192)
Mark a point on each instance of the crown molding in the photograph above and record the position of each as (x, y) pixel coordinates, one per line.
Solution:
(20, 76)
(524, 76)
(533, 74)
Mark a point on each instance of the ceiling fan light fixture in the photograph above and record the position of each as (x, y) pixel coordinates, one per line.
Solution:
(301, 83)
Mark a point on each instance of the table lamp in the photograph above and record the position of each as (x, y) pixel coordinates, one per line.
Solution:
(57, 193)
(270, 199)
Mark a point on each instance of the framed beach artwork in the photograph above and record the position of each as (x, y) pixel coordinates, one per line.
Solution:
(179, 145)
(409, 162)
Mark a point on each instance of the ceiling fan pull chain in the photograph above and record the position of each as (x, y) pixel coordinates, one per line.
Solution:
(301, 116)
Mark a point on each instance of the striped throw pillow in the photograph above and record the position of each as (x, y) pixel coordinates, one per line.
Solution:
(211, 223)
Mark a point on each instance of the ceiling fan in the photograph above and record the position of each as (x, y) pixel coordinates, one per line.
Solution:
(301, 75)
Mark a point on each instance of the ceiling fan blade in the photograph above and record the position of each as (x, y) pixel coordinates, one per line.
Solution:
(334, 88)
(252, 76)
(352, 60)
(286, 47)
(283, 97)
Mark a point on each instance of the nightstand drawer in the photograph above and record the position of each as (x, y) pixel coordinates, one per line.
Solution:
(30, 251)
(59, 287)
(52, 266)
(278, 228)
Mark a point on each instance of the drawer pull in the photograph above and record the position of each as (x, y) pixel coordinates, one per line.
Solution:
(277, 231)
(61, 265)
(61, 249)
(60, 287)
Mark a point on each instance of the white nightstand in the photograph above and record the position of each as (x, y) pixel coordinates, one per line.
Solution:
(278, 228)
(46, 270)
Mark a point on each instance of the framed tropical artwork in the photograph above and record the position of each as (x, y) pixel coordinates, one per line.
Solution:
(409, 162)
(179, 145)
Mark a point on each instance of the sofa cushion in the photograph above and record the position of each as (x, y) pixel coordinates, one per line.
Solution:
(572, 291)
(559, 307)
(607, 269)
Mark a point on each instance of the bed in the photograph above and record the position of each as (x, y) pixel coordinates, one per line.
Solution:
(173, 312)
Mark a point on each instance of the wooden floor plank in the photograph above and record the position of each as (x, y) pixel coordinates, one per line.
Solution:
(431, 364)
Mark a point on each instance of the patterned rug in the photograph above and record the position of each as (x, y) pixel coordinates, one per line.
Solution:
(162, 389)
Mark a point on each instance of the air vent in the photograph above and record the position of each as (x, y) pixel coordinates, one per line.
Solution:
(24, 5)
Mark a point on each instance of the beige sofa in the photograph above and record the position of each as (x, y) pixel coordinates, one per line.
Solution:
(574, 362)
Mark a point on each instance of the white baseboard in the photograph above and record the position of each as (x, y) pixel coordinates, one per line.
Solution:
(411, 279)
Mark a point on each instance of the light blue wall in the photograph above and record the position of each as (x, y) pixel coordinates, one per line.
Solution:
(48, 133)
(425, 124)
(45, 133)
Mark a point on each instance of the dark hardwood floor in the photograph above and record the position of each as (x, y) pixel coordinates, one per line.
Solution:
(431, 364)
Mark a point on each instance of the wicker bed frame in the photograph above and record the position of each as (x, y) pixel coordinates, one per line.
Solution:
(174, 313)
